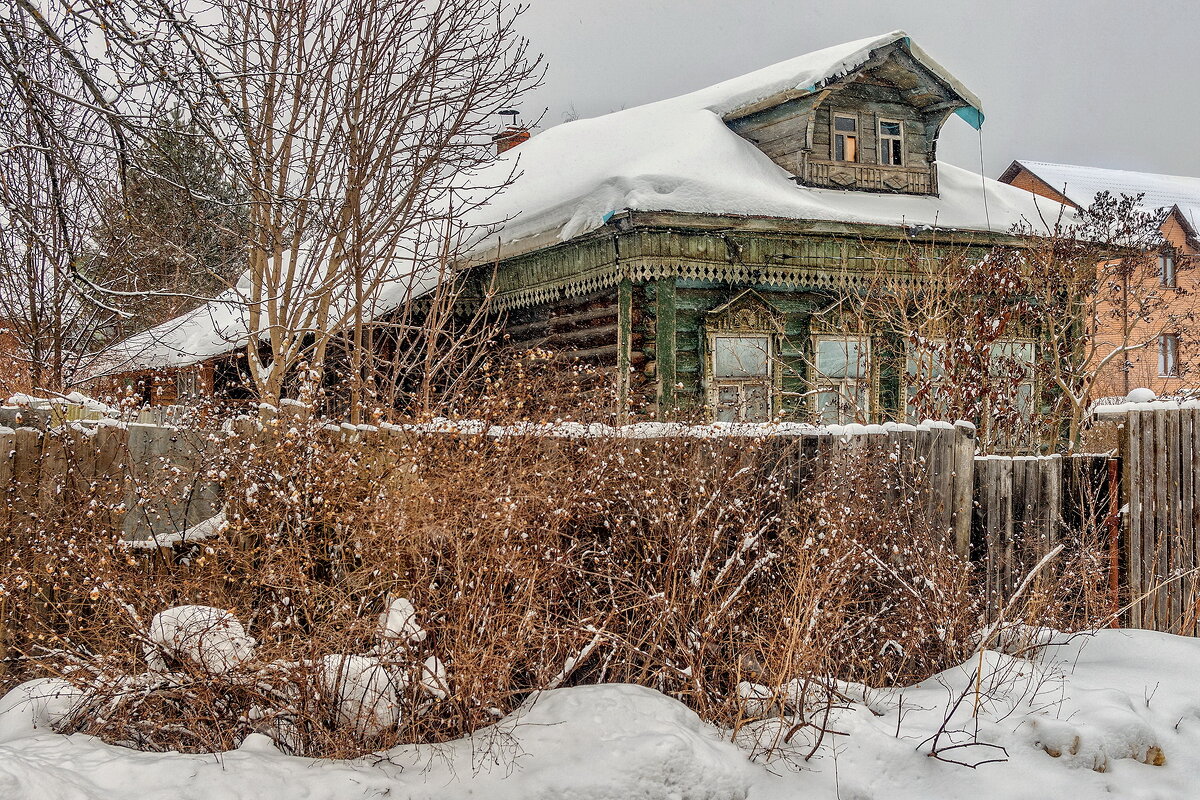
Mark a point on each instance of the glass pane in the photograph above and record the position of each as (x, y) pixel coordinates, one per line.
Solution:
(1012, 358)
(895, 159)
(728, 402)
(757, 407)
(842, 358)
(827, 407)
(862, 403)
(740, 356)
(1024, 400)
(847, 124)
(889, 128)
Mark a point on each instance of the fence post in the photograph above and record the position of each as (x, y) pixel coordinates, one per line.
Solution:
(962, 493)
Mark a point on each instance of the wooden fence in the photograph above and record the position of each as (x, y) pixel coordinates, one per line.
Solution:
(1160, 448)
(1002, 512)
(159, 472)
(1024, 505)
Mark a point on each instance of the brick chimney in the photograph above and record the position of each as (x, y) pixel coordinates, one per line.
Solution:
(509, 138)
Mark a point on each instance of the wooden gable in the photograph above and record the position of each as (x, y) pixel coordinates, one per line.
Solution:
(893, 88)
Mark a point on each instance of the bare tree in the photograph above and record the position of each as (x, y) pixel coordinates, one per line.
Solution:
(1096, 299)
(352, 130)
(55, 165)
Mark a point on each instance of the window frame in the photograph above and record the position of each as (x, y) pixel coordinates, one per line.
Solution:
(1168, 355)
(1168, 271)
(766, 381)
(939, 381)
(882, 138)
(835, 135)
(845, 387)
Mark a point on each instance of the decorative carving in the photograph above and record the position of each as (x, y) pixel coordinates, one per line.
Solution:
(842, 178)
(747, 312)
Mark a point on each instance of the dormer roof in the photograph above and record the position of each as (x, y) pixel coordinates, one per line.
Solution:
(817, 71)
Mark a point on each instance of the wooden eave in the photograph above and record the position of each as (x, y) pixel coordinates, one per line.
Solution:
(893, 63)
(674, 220)
(641, 246)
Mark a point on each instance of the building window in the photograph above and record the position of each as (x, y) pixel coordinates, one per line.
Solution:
(891, 143)
(842, 378)
(845, 137)
(1010, 360)
(187, 384)
(742, 377)
(1168, 355)
(1166, 271)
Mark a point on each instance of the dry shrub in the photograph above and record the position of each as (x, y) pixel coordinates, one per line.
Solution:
(689, 565)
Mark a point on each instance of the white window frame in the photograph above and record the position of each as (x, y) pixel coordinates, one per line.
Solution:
(845, 387)
(743, 385)
(1168, 355)
(836, 135)
(885, 152)
(1168, 274)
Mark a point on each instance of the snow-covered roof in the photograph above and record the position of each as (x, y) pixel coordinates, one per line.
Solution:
(679, 155)
(674, 155)
(223, 324)
(1081, 185)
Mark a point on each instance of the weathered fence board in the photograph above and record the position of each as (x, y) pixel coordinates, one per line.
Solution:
(1160, 488)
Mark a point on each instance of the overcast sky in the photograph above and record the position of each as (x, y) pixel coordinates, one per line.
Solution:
(1107, 83)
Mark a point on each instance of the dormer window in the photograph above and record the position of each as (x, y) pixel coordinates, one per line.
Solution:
(845, 137)
(891, 143)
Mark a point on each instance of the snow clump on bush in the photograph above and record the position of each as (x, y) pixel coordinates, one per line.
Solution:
(203, 636)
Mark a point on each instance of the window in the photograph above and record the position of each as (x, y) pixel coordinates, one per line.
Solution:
(1166, 271)
(891, 143)
(187, 384)
(845, 137)
(1010, 360)
(843, 384)
(742, 377)
(1168, 355)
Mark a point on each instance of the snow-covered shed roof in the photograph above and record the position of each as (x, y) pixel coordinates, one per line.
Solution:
(1080, 185)
(675, 155)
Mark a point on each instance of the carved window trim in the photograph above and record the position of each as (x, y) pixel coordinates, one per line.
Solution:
(745, 316)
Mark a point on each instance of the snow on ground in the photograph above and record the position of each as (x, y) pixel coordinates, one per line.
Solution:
(1114, 715)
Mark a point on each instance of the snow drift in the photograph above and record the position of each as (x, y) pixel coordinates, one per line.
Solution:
(1111, 715)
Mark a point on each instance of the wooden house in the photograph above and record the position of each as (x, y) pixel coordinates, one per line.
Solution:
(1169, 361)
(694, 247)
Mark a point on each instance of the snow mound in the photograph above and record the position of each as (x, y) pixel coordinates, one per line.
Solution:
(362, 692)
(205, 637)
(399, 621)
(1116, 714)
(35, 706)
(613, 742)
